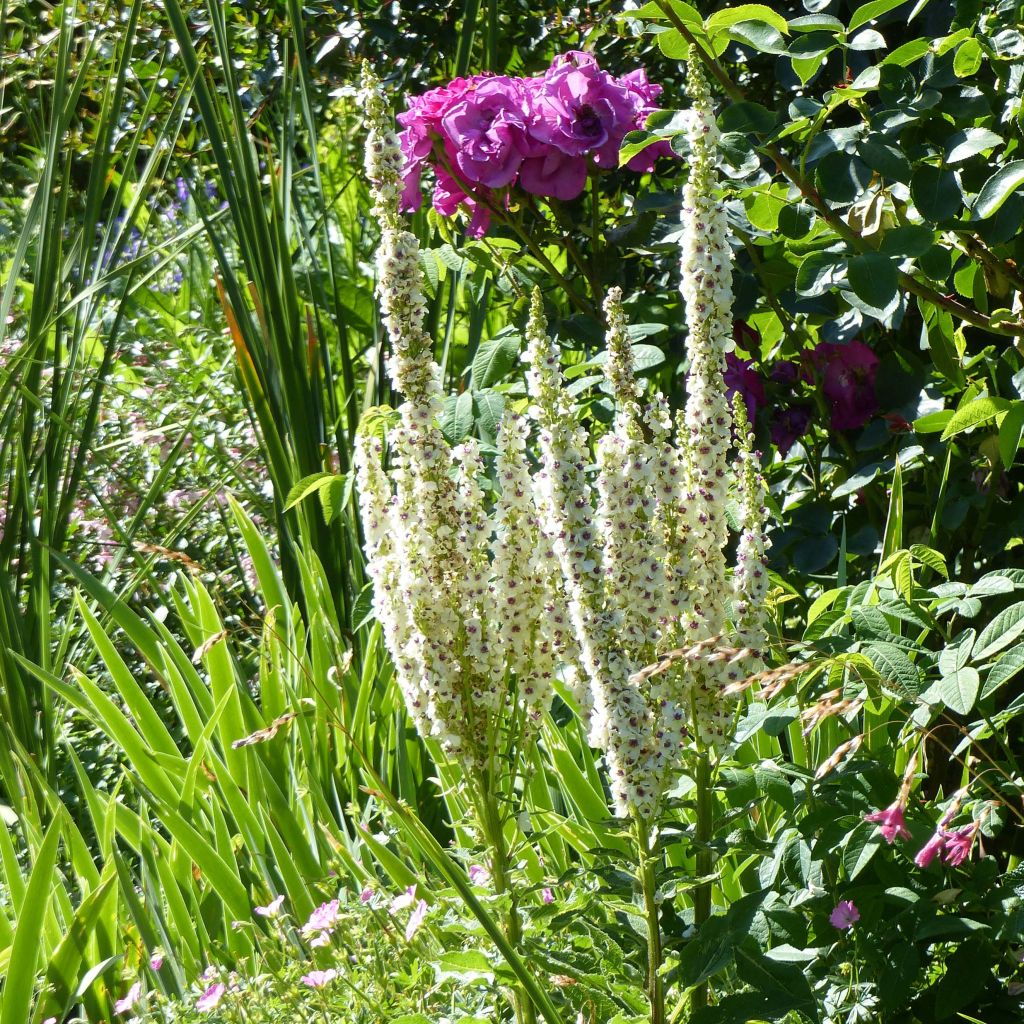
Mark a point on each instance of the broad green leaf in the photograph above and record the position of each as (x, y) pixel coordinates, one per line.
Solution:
(967, 60)
(457, 417)
(307, 486)
(870, 11)
(21, 973)
(935, 192)
(820, 272)
(998, 189)
(1004, 670)
(1010, 431)
(1000, 632)
(895, 668)
(747, 117)
(969, 142)
(973, 414)
(653, 12)
(494, 359)
(873, 279)
(959, 689)
(758, 35)
(861, 845)
(754, 13)
(488, 406)
(908, 240)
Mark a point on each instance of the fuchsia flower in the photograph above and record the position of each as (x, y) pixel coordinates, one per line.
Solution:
(740, 376)
(317, 979)
(130, 998)
(928, 852)
(210, 998)
(959, 843)
(890, 823)
(845, 915)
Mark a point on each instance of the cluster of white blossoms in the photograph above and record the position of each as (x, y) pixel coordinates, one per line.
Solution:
(466, 596)
(606, 558)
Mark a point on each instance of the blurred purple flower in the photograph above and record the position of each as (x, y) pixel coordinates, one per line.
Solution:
(959, 843)
(847, 375)
(130, 998)
(547, 896)
(317, 979)
(789, 425)
(415, 920)
(740, 376)
(931, 849)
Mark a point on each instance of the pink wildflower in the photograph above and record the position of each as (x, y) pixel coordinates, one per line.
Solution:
(890, 823)
(366, 895)
(156, 961)
(317, 979)
(415, 920)
(130, 998)
(272, 908)
(547, 896)
(322, 920)
(959, 844)
(210, 998)
(845, 915)
(478, 875)
(407, 899)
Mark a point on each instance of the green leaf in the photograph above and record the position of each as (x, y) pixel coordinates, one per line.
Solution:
(759, 36)
(457, 417)
(973, 414)
(494, 359)
(21, 968)
(1000, 632)
(861, 845)
(1011, 662)
(967, 60)
(753, 13)
(969, 142)
(870, 11)
(935, 192)
(959, 689)
(907, 240)
(819, 273)
(893, 665)
(747, 117)
(307, 486)
(465, 967)
(998, 189)
(842, 178)
(488, 405)
(873, 279)
(1010, 431)
(885, 158)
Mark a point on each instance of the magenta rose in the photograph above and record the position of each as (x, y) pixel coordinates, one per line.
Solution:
(485, 131)
(847, 375)
(789, 425)
(644, 94)
(582, 110)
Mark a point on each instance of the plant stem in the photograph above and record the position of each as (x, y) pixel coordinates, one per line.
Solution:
(495, 834)
(649, 884)
(705, 861)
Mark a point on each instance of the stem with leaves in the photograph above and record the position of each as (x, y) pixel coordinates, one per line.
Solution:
(649, 886)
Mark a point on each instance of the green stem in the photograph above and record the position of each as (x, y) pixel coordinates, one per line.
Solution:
(494, 832)
(649, 885)
(705, 862)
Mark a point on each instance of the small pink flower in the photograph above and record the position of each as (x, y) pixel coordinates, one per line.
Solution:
(845, 915)
(890, 823)
(317, 979)
(156, 961)
(366, 895)
(547, 895)
(323, 919)
(210, 998)
(931, 849)
(415, 920)
(407, 899)
(272, 909)
(478, 875)
(959, 844)
(130, 998)
(322, 939)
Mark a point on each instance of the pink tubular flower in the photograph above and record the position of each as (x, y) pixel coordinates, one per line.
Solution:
(959, 843)
(890, 823)
(402, 902)
(845, 915)
(317, 979)
(547, 896)
(366, 895)
(130, 998)
(415, 920)
(156, 962)
(210, 998)
(931, 849)
(272, 908)
(740, 376)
